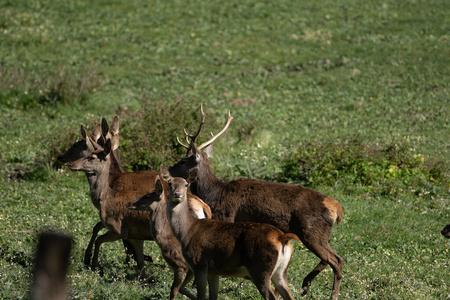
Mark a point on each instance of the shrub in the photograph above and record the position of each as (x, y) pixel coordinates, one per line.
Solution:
(148, 137)
(387, 169)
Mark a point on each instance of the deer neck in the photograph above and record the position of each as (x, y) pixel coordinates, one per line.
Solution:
(116, 167)
(159, 219)
(207, 186)
(181, 221)
(99, 188)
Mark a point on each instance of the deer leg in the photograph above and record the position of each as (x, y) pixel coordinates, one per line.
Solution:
(279, 279)
(337, 276)
(265, 289)
(181, 278)
(213, 282)
(129, 251)
(88, 253)
(138, 249)
(109, 236)
(201, 278)
(328, 257)
(310, 277)
(262, 283)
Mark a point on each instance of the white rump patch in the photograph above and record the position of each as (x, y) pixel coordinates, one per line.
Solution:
(284, 257)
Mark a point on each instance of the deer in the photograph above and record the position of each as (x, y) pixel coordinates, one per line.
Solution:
(170, 248)
(213, 248)
(291, 208)
(120, 222)
(119, 179)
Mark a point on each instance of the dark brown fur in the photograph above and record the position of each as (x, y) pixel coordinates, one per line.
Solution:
(292, 208)
(170, 247)
(214, 248)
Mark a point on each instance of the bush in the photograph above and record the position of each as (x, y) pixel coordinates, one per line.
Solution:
(148, 137)
(387, 169)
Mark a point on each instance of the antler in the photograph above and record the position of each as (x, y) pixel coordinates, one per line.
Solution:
(184, 146)
(202, 121)
(214, 137)
(193, 136)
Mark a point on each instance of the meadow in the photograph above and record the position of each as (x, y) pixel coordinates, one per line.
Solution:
(349, 98)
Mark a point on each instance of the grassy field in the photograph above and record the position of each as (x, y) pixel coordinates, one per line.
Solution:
(349, 98)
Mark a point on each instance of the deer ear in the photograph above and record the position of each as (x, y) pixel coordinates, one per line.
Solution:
(192, 176)
(100, 142)
(114, 142)
(96, 132)
(107, 147)
(158, 186)
(83, 132)
(209, 150)
(165, 175)
(115, 125)
(105, 127)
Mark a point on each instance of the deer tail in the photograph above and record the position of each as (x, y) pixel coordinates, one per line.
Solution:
(286, 237)
(340, 215)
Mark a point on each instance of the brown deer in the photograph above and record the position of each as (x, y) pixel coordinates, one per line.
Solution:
(119, 178)
(120, 222)
(291, 208)
(214, 248)
(170, 247)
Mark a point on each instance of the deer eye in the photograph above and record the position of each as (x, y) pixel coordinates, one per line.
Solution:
(187, 184)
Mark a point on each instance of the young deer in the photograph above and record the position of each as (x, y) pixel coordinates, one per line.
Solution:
(119, 178)
(214, 248)
(156, 203)
(291, 208)
(120, 222)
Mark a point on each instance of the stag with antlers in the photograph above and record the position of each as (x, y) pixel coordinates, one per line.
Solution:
(291, 208)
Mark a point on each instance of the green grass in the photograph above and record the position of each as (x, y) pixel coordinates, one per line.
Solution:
(350, 98)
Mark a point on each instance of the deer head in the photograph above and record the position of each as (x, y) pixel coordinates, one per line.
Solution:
(194, 157)
(83, 147)
(178, 187)
(95, 162)
(149, 201)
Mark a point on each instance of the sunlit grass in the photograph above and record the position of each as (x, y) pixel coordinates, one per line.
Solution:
(297, 78)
